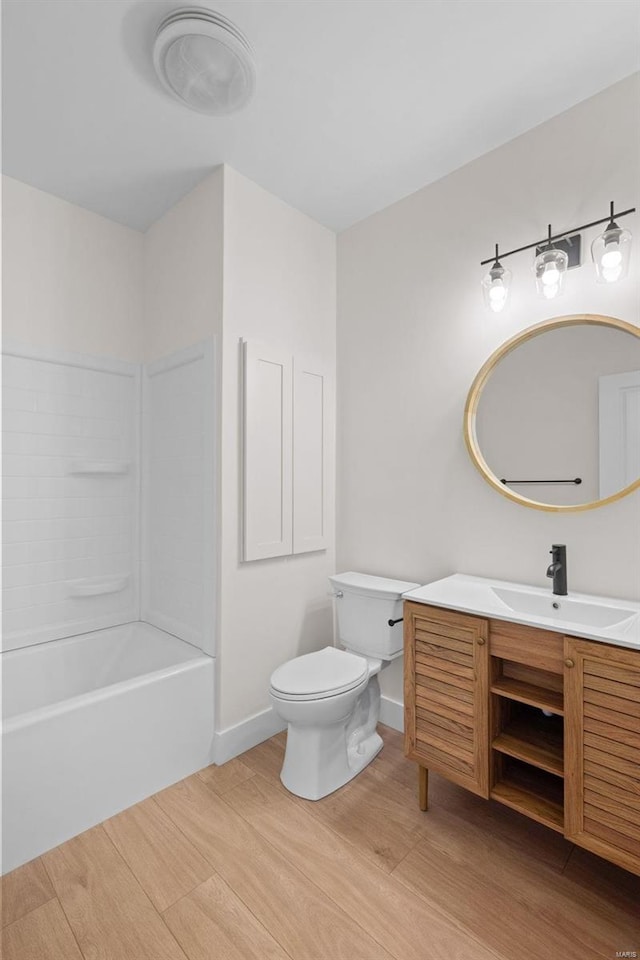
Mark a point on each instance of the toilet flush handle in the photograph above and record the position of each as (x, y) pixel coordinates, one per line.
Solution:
(393, 622)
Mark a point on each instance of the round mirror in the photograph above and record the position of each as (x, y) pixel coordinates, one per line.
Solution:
(552, 419)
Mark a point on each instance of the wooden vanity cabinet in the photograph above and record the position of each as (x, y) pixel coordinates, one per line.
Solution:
(602, 750)
(446, 696)
(546, 724)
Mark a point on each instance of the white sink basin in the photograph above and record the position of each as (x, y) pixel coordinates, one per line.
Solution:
(578, 614)
(563, 608)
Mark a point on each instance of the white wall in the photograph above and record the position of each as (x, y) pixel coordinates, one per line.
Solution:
(104, 289)
(183, 262)
(183, 272)
(279, 288)
(71, 278)
(74, 281)
(412, 333)
(72, 292)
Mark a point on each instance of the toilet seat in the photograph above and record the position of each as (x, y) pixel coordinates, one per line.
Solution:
(315, 676)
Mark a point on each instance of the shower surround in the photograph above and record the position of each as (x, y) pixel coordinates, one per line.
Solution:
(108, 586)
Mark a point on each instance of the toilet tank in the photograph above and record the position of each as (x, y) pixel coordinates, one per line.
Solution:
(364, 606)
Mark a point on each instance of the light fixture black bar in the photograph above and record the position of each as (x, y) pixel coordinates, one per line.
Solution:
(577, 480)
(559, 236)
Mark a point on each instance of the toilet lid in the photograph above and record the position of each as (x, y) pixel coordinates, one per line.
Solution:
(322, 674)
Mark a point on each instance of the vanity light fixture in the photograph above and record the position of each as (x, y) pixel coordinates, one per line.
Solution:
(550, 269)
(559, 252)
(611, 251)
(495, 286)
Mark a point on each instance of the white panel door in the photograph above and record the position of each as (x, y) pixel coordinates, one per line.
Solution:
(619, 398)
(267, 452)
(310, 462)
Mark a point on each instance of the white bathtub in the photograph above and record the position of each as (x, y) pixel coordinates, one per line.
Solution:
(93, 724)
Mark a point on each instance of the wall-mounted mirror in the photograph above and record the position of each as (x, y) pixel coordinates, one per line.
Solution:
(552, 419)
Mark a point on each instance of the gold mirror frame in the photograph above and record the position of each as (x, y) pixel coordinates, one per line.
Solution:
(478, 385)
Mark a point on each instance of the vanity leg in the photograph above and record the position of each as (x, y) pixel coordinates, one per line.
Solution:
(423, 788)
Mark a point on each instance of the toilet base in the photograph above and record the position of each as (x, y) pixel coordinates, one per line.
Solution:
(321, 759)
(312, 782)
(365, 752)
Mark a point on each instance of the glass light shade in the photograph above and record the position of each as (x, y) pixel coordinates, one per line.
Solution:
(495, 287)
(550, 269)
(611, 252)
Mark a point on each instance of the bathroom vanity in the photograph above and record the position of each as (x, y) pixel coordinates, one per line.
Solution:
(532, 700)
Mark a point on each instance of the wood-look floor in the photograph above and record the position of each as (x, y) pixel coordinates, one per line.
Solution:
(227, 865)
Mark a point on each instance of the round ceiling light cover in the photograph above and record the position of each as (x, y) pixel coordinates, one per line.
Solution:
(204, 61)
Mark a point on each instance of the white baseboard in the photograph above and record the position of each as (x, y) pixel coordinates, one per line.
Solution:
(249, 733)
(392, 713)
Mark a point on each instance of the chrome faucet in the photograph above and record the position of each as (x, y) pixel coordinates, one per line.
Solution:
(558, 569)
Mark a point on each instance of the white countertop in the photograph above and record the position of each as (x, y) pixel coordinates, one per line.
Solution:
(494, 598)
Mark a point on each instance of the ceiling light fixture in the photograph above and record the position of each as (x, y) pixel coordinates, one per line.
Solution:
(204, 61)
(559, 253)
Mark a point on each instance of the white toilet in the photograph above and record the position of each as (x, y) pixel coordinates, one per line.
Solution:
(331, 699)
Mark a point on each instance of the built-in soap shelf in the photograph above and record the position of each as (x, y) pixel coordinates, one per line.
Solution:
(99, 468)
(97, 586)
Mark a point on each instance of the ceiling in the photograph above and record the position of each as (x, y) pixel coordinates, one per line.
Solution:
(359, 102)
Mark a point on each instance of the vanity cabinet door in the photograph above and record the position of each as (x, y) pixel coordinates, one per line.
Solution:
(602, 750)
(447, 694)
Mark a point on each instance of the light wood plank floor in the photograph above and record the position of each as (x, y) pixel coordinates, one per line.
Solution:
(227, 865)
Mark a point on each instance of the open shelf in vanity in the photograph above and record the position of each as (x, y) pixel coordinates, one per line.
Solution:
(529, 693)
(527, 722)
(535, 740)
(531, 791)
(527, 744)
